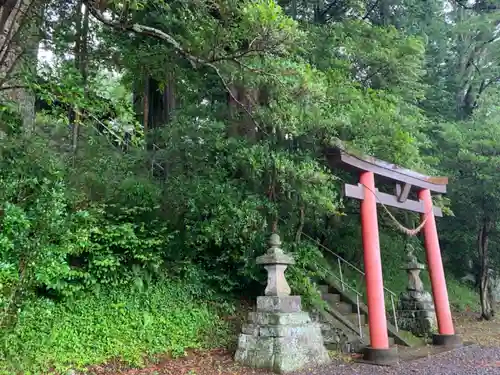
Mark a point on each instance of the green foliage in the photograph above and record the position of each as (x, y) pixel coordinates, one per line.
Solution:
(412, 83)
(310, 269)
(10, 120)
(117, 324)
(102, 94)
(381, 58)
(38, 229)
(55, 239)
(472, 160)
(462, 296)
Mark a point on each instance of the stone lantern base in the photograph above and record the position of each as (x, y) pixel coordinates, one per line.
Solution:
(416, 313)
(281, 337)
(416, 308)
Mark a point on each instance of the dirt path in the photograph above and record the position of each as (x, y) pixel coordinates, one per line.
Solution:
(472, 360)
(483, 358)
(483, 333)
(467, 361)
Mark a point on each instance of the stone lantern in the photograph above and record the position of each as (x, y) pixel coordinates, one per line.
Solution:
(416, 308)
(413, 269)
(275, 261)
(279, 336)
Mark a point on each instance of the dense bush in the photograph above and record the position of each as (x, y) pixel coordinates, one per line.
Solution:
(123, 323)
(71, 224)
(57, 239)
(39, 230)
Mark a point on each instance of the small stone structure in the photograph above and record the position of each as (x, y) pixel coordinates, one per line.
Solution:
(471, 278)
(279, 336)
(416, 308)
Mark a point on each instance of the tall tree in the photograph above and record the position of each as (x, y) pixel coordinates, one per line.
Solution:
(471, 156)
(21, 21)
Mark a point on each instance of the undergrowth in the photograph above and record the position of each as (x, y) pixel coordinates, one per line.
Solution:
(125, 325)
(394, 256)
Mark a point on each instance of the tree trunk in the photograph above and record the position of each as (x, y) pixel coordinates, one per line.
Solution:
(242, 103)
(145, 121)
(294, 9)
(74, 114)
(155, 101)
(81, 59)
(18, 51)
(485, 295)
(168, 100)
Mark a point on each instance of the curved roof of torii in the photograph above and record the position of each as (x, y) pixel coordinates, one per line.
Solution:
(338, 156)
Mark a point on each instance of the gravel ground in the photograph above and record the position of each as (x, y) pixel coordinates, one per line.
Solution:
(472, 360)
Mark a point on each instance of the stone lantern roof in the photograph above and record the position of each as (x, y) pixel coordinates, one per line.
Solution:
(413, 263)
(275, 254)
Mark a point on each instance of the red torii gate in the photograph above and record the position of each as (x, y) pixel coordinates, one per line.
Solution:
(405, 182)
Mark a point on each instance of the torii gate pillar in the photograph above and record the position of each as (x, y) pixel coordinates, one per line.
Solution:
(446, 335)
(377, 321)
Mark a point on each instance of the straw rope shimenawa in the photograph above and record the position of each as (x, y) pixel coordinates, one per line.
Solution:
(410, 232)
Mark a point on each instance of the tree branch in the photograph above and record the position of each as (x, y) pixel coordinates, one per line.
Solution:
(300, 227)
(373, 74)
(195, 61)
(328, 8)
(462, 4)
(370, 10)
(144, 30)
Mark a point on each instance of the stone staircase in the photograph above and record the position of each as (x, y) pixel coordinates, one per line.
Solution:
(344, 323)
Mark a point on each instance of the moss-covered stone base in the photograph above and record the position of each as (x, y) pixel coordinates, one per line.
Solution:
(281, 341)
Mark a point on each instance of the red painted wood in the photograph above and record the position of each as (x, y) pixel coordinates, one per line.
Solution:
(337, 157)
(357, 192)
(373, 265)
(436, 270)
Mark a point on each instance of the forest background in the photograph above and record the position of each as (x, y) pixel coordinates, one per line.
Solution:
(143, 169)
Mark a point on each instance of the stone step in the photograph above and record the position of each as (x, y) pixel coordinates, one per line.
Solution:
(324, 289)
(330, 336)
(331, 297)
(326, 327)
(343, 307)
(353, 317)
(355, 345)
(333, 346)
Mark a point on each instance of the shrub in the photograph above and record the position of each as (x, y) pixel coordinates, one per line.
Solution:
(39, 230)
(124, 324)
